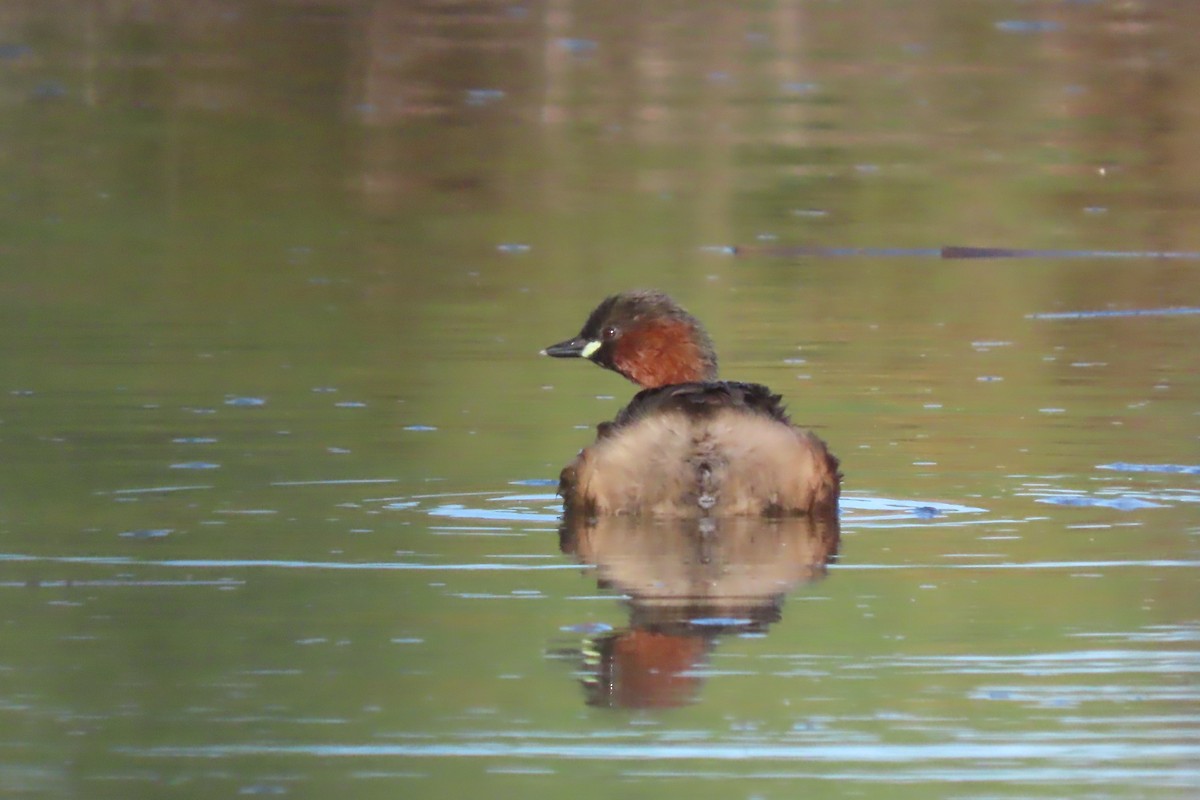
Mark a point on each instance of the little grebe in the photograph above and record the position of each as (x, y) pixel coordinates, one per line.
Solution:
(687, 445)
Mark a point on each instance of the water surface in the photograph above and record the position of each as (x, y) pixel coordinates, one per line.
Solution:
(277, 454)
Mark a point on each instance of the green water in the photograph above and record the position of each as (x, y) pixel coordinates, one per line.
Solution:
(277, 452)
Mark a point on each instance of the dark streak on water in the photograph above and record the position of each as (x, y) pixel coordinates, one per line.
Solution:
(949, 252)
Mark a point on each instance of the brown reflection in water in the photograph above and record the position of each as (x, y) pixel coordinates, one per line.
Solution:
(731, 575)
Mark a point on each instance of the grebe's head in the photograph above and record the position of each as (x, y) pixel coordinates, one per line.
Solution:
(647, 337)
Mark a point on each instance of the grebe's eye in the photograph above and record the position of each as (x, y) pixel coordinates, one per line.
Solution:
(609, 333)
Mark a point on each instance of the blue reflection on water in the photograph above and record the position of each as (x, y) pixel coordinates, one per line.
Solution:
(1125, 312)
(1182, 469)
(559, 746)
(1119, 503)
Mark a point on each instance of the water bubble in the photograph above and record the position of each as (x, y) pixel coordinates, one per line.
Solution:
(799, 87)
(484, 97)
(720, 622)
(587, 627)
(245, 402)
(147, 533)
(1027, 26)
(577, 47)
(300, 254)
(263, 788)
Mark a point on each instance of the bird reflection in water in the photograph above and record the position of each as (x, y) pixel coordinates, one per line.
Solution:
(688, 582)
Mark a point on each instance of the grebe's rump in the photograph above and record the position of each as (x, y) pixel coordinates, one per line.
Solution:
(703, 449)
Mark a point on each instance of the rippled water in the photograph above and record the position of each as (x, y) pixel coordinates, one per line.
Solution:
(278, 455)
(898, 661)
